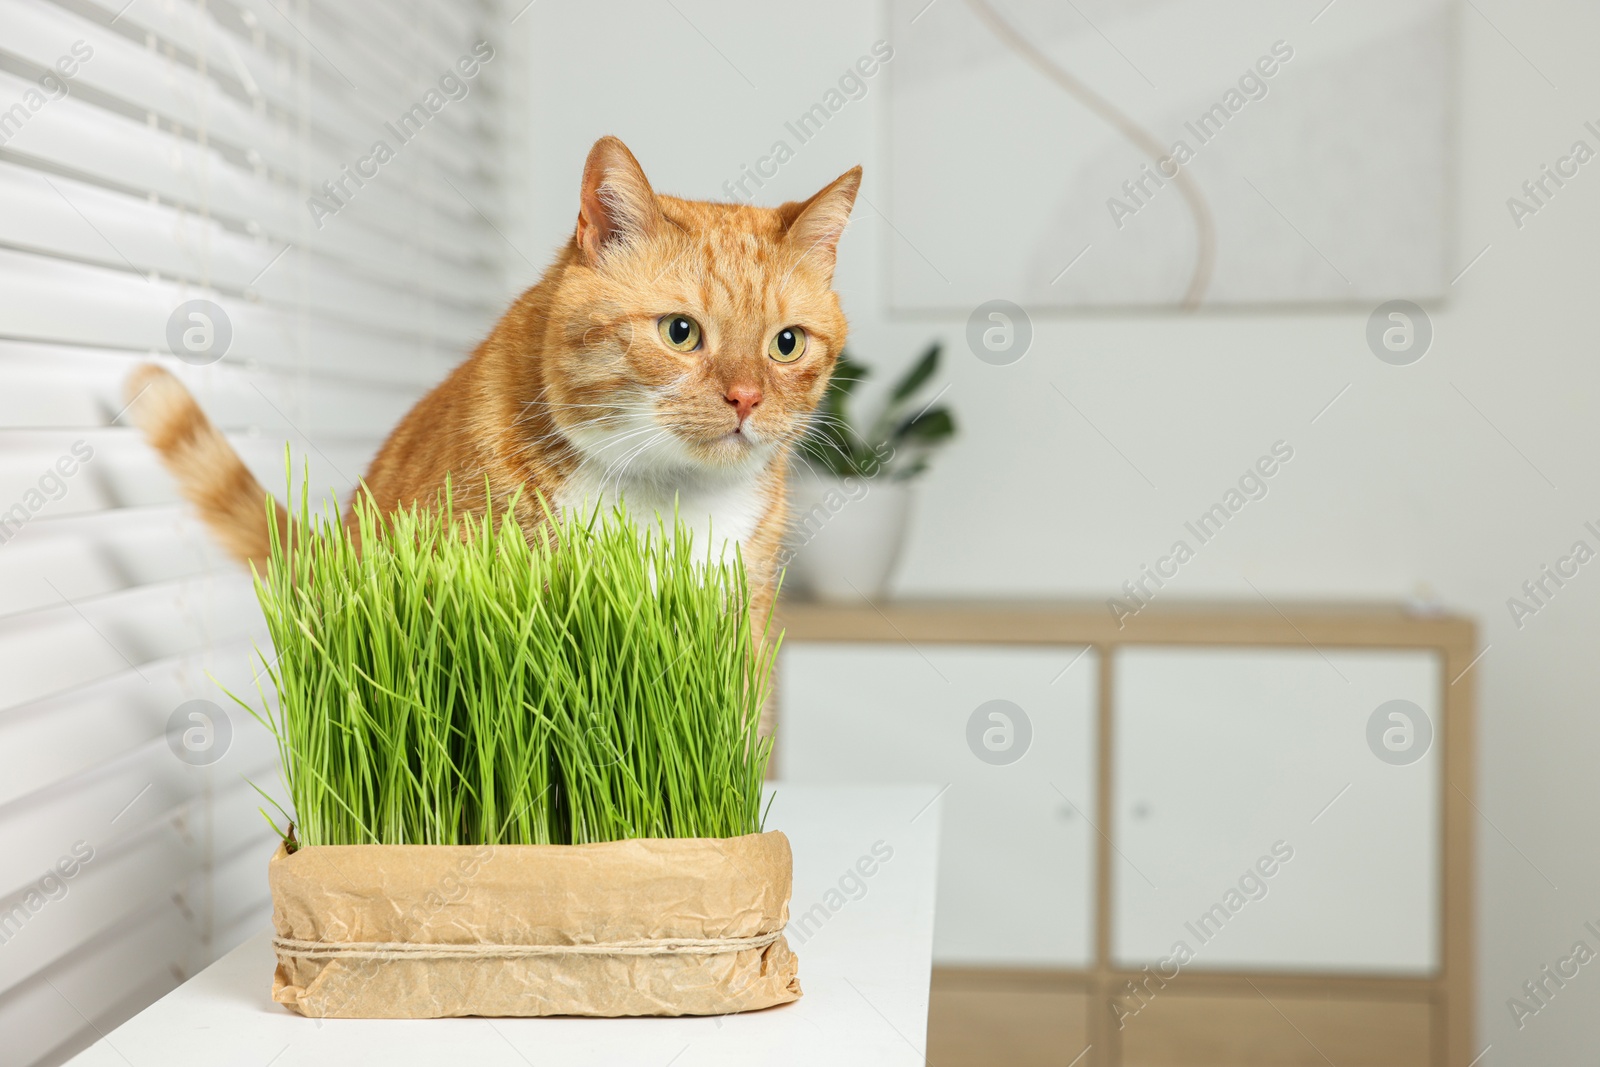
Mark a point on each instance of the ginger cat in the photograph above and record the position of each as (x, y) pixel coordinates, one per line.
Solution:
(675, 350)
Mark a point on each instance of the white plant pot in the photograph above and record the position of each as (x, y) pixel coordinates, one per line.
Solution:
(845, 535)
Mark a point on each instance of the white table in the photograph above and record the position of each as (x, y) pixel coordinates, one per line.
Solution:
(865, 957)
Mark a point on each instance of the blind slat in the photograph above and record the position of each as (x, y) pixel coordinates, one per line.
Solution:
(61, 216)
(60, 736)
(103, 558)
(48, 651)
(82, 139)
(122, 472)
(112, 72)
(99, 235)
(116, 803)
(105, 982)
(167, 860)
(60, 387)
(254, 55)
(42, 299)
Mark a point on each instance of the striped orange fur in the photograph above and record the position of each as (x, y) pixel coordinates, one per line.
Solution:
(578, 393)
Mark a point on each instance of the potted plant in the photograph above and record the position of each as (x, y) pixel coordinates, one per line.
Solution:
(523, 771)
(850, 492)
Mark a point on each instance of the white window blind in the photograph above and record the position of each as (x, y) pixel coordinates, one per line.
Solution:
(151, 155)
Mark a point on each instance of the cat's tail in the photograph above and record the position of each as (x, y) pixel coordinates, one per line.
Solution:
(209, 472)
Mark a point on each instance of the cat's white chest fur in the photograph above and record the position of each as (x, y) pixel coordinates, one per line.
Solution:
(722, 509)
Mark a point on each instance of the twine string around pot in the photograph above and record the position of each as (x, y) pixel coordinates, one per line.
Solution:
(407, 950)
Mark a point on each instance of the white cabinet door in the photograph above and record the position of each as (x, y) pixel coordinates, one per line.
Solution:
(1274, 811)
(1016, 865)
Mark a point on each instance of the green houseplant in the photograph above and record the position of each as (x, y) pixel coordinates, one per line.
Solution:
(498, 748)
(851, 492)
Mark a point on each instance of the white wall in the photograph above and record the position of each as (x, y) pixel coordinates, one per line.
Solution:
(1460, 475)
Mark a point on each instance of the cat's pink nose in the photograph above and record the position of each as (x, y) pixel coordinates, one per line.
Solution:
(744, 399)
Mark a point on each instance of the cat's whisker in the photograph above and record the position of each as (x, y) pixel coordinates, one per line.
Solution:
(609, 445)
(614, 410)
(846, 456)
(629, 460)
(811, 468)
(621, 466)
(558, 432)
(819, 418)
(566, 404)
(831, 442)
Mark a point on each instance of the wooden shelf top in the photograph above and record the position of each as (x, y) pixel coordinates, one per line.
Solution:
(1092, 622)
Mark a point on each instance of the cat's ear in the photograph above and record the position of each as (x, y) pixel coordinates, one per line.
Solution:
(617, 203)
(815, 226)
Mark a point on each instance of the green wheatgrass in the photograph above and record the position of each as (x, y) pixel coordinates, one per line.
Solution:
(456, 682)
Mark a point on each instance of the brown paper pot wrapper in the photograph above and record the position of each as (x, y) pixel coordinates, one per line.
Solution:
(645, 927)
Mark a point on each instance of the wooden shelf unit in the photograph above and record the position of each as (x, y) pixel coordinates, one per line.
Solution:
(1223, 1018)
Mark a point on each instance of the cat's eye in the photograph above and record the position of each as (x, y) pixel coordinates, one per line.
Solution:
(788, 344)
(680, 332)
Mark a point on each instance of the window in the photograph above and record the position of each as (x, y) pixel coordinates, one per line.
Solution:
(287, 203)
